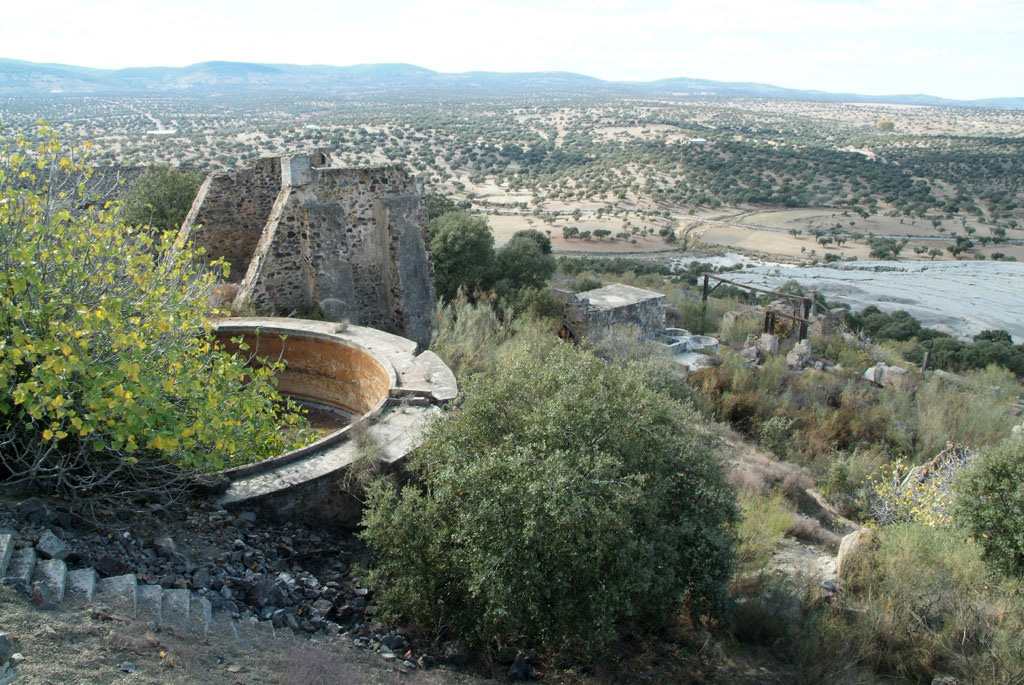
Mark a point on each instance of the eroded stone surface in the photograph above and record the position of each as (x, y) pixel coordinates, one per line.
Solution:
(302, 235)
(593, 313)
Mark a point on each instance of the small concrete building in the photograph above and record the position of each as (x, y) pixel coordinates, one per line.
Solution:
(592, 313)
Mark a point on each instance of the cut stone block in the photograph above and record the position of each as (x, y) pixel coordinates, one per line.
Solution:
(199, 616)
(81, 585)
(53, 574)
(264, 631)
(118, 594)
(245, 630)
(6, 550)
(149, 601)
(176, 608)
(22, 566)
(222, 625)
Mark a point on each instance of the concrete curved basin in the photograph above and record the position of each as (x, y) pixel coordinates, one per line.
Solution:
(368, 373)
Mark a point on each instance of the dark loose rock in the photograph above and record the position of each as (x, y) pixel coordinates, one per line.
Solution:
(34, 511)
(165, 547)
(43, 597)
(108, 565)
(520, 668)
(51, 547)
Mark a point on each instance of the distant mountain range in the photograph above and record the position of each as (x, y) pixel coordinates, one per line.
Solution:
(19, 78)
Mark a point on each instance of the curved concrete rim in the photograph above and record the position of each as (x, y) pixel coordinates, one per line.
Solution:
(412, 379)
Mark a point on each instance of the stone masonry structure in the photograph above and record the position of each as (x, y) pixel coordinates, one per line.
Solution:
(592, 313)
(302, 236)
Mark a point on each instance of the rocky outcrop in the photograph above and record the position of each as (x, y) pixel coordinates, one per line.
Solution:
(854, 550)
(10, 657)
(884, 375)
(800, 355)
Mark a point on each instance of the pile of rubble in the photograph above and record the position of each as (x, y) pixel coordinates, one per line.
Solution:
(10, 658)
(294, 576)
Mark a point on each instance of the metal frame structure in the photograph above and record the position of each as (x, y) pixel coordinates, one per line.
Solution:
(809, 305)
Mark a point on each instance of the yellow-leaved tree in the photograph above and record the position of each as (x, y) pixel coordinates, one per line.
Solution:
(110, 382)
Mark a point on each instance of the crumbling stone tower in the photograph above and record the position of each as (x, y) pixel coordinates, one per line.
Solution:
(301, 235)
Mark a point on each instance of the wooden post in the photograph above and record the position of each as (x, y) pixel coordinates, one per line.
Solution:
(704, 307)
(924, 362)
(808, 305)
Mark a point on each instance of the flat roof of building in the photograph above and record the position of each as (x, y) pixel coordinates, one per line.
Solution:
(618, 295)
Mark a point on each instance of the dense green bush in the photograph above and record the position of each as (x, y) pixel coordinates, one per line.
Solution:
(462, 248)
(464, 258)
(110, 382)
(945, 352)
(561, 502)
(990, 504)
(525, 261)
(160, 197)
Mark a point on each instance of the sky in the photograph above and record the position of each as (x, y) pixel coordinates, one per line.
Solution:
(962, 49)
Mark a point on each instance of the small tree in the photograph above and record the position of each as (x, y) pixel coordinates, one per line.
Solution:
(522, 263)
(990, 504)
(161, 197)
(463, 251)
(562, 502)
(110, 383)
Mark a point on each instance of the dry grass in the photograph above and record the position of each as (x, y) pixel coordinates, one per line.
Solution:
(810, 530)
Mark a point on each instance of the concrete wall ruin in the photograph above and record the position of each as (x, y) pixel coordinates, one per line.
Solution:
(301, 236)
(592, 313)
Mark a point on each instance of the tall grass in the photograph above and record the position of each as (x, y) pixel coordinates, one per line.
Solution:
(467, 334)
(976, 414)
(811, 416)
(923, 606)
(764, 521)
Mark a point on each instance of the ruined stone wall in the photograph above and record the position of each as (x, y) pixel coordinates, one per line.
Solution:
(348, 243)
(231, 210)
(648, 316)
(583, 320)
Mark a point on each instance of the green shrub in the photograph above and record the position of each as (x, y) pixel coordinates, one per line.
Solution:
(990, 504)
(160, 197)
(462, 248)
(923, 605)
(561, 502)
(110, 382)
(539, 303)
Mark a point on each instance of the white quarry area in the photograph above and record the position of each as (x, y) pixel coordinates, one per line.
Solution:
(726, 260)
(961, 298)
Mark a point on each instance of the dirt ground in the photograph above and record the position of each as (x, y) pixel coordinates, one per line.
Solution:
(504, 226)
(768, 233)
(69, 647)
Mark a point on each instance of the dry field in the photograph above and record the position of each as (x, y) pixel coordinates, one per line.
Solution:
(768, 233)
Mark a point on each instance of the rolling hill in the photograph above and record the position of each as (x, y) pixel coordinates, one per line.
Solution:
(21, 78)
